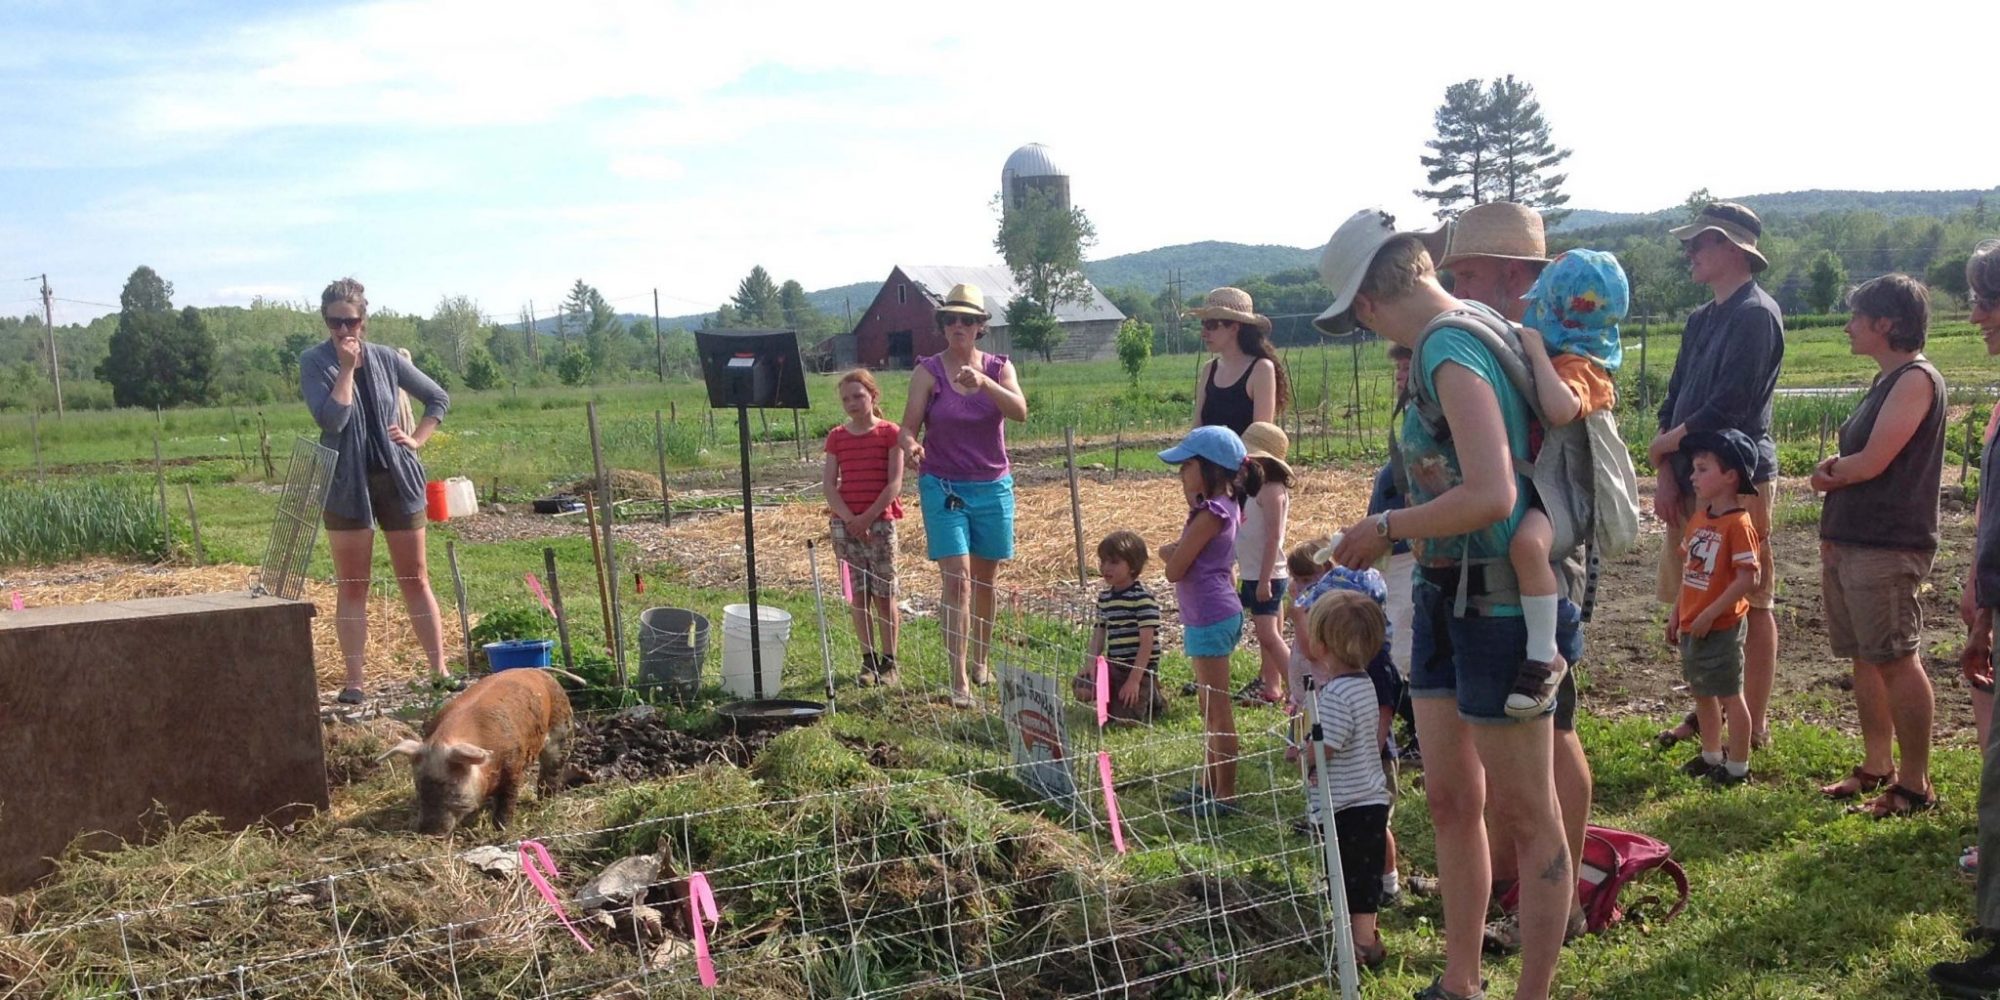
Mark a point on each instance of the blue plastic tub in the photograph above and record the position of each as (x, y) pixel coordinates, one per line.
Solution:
(518, 653)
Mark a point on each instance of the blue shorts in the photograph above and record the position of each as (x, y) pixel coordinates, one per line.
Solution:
(1247, 593)
(1219, 639)
(1475, 658)
(967, 517)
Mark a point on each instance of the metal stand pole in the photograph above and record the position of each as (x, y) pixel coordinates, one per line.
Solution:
(750, 553)
(819, 608)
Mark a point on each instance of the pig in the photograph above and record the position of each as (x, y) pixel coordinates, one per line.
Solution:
(479, 746)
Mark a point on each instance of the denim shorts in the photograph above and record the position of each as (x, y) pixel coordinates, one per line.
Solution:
(1246, 592)
(967, 517)
(1475, 658)
(1219, 639)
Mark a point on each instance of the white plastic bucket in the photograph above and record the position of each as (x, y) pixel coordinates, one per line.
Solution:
(461, 499)
(774, 632)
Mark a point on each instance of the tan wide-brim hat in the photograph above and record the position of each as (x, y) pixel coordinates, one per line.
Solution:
(965, 298)
(1267, 440)
(1736, 223)
(1437, 243)
(1500, 229)
(1232, 304)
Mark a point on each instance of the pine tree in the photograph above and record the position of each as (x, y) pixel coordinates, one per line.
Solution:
(1459, 151)
(1493, 144)
(756, 299)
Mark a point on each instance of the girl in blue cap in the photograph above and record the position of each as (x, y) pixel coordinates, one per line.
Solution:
(1200, 566)
(1570, 337)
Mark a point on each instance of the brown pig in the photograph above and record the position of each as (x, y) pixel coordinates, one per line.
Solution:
(479, 747)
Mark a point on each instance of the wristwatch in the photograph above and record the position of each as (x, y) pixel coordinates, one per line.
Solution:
(1382, 527)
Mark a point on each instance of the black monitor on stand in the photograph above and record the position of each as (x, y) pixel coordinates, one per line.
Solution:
(752, 369)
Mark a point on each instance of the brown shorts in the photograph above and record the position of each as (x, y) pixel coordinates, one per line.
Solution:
(871, 560)
(1672, 562)
(384, 504)
(1871, 600)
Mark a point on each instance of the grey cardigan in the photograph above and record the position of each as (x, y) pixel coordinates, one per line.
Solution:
(341, 427)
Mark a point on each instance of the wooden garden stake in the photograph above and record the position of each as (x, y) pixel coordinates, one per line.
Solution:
(458, 588)
(614, 622)
(1075, 503)
(194, 525)
(660, 449)
(555, 601)
(160, 480)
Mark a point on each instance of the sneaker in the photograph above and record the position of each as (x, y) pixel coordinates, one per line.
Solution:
(1721, 777)
(1436, 991)
(1974, 977)
(866, 678)
(351, 696)
(1421, 886)
(1968, 862)
(1535, 686)
(1190, 689)
(1699, 767)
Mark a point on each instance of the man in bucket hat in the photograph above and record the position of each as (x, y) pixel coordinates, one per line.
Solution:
(1724, 377)
(1496, 252)
(1466, 497)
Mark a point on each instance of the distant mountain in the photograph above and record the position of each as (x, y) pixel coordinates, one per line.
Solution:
(1894, 204)
(1202, 266)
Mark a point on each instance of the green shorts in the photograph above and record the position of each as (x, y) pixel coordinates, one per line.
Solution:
(1713, 664)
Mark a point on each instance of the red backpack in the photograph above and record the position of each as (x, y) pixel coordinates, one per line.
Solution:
(1611, 860)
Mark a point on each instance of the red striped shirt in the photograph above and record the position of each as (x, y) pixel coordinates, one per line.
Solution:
(863, 460)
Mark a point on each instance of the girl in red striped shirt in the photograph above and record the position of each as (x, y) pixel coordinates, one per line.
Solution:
(863, 477)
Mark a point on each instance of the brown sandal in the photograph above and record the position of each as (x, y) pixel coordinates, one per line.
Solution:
(1857, 782)
(1898, 801)
(1666, 738)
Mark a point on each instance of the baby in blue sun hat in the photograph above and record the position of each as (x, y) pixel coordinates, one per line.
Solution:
(1576, 306)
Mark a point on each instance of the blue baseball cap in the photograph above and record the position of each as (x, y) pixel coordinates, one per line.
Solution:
(1216, 443)
(1731, 447)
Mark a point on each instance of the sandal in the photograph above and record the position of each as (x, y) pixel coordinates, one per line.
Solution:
(1898, 801)
(351, 696)
(1857, 782)
(1255, 695)
(1436, 991)
(1666, 738)
(961, 699)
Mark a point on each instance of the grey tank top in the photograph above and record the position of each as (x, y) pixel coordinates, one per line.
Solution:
(1899, 508)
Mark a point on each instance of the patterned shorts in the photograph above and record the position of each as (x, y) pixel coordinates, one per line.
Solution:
(871, 560)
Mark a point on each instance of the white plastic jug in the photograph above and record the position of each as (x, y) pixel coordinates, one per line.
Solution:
(460, 498)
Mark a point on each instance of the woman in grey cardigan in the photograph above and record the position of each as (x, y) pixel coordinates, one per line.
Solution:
(351, 385)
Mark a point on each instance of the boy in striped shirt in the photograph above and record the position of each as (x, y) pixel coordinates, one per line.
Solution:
(1127, 634)
(1344, 632)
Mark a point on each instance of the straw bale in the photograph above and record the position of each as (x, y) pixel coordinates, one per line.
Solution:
(626, 484)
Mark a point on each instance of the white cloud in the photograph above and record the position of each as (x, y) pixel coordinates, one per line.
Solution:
(647, 167)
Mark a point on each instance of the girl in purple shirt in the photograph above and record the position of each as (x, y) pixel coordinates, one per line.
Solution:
(1200, 565)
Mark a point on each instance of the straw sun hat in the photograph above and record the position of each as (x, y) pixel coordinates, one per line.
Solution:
(1267, 440)
(965, 298)
(1497, 229)
(1232, 304)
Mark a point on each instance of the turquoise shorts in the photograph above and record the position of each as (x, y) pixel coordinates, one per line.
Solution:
(1219, 639)
(964, 517)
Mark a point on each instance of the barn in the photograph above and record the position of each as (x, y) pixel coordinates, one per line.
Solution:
(900, 325)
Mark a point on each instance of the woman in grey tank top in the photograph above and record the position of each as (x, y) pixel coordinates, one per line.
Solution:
(1878, 532)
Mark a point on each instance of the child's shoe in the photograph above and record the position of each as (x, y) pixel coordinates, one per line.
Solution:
(886, 674)
(867, 676)
(1535, 687)
(1699, 767)
(1723, 777)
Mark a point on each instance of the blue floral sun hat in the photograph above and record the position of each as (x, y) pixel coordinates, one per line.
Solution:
(1578, 303)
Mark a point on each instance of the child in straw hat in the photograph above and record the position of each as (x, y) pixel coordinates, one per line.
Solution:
(1260, 544)
(1570, 337)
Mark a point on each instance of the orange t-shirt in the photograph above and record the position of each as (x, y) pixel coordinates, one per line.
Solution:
(1593, 387)
(1715, 548)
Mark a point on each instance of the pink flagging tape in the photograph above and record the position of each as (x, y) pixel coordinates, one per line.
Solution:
(18, 606)
(1103, 692)
(846, 582)
(701, 907)
(1110, 801)
(535, 588)
(533, 865)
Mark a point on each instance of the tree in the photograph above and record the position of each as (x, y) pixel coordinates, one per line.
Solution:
(481, 373)
(798, 313)
(453, 329)
(155, 357)
(574, 368)
(1697, 200)
(1493, 144)
(1043, 244)
(1135, 345)
(586, 310)
(756, 299)
(1947, 274)
(1825, 281)
(1031, 328)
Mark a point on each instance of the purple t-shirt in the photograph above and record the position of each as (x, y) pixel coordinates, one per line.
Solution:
(1207, 594)
(965, 436)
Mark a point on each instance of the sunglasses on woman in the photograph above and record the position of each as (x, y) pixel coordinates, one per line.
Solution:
(344, 322)
(1217, 324)
(959, 319)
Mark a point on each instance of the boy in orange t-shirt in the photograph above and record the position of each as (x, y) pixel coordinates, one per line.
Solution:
(1720, 571)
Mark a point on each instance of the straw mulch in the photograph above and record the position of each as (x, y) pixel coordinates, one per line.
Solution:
(711, 548)
(394, 657)
(625, 485)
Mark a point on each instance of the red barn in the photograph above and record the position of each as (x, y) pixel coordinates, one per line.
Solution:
(900, 326)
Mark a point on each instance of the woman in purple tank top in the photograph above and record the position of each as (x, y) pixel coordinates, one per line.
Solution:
(960, 400)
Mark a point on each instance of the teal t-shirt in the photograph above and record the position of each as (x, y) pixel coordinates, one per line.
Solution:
(1432, 466)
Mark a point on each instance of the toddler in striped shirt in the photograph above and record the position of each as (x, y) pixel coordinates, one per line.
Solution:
(1344, 631)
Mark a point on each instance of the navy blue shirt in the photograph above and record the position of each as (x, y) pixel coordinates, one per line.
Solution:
(1388, 497)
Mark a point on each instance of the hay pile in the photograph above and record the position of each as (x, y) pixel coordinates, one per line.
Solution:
(711, 548)
(626, 484)
(394, 656)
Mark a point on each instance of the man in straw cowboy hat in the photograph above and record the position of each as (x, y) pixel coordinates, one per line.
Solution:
(1495, 253)
(1466, 497)
(1724, 377)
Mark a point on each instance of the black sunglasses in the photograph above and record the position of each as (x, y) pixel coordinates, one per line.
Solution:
(345, 322)
(1217, 324)
(959, 319)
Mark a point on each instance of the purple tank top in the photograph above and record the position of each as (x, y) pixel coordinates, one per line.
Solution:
(1207, 594)
(965, 437)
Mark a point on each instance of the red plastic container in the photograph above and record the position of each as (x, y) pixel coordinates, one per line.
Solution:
(436, 506)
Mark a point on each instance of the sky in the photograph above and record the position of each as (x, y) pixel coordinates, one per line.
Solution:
(500, 150)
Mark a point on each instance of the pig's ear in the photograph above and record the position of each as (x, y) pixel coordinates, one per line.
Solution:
(408, 749)
(467, 755)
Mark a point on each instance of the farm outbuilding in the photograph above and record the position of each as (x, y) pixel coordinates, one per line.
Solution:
(900, 325)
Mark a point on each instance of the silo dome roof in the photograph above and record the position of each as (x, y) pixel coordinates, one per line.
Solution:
(1032, 160)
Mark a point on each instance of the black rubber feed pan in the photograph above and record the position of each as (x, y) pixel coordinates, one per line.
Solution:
(770, 713)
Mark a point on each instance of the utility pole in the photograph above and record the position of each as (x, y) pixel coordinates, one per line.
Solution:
(659, 346)
(49, 325)
(534, 342)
